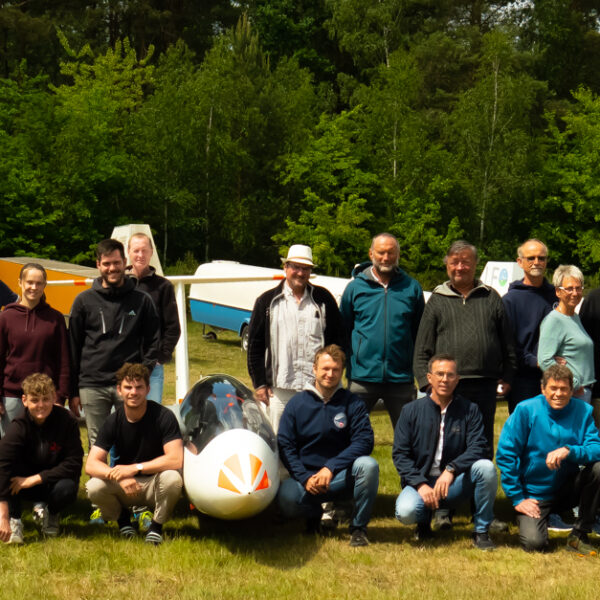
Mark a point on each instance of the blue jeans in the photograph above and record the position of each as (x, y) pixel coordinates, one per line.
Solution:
(157, 380)
(480, 481)
(361, 482)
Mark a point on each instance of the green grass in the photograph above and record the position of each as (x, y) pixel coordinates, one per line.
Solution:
(259, 558)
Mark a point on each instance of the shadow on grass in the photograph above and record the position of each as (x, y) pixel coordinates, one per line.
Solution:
(266, 538)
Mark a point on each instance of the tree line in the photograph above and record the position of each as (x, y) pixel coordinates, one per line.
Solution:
(236, 128)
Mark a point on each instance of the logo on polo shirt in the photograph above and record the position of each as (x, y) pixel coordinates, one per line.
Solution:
(340, 420)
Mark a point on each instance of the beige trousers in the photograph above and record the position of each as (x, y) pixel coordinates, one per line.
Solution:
(160, 491)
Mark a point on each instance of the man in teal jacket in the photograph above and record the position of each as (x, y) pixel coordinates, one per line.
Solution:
(541, 449)
(381, 308)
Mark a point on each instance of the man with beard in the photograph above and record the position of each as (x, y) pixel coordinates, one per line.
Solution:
(110, 324)
(382, 308)
(526, 304)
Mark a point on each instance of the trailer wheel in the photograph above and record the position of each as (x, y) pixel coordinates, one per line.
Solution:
(245, 338)
(210, 335)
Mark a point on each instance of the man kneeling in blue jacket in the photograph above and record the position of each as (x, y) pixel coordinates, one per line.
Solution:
(325, 438)
(440, 454)
(541, 449)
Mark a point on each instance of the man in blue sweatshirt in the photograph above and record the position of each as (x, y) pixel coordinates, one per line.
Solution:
(526, 304)
(541, 450)
(325, 438)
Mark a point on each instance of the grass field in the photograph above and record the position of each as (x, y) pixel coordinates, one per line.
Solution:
(261, 558)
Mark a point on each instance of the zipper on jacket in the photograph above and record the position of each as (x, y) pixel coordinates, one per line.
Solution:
(385, 315)
(121, 325)
(103, 321)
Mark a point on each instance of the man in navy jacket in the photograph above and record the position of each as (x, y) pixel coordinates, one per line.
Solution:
(325, 438)
(440, 454)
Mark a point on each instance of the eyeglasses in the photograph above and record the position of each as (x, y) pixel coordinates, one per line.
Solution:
(445, 374)
(575, 289)
(297, 267)
(532, 258)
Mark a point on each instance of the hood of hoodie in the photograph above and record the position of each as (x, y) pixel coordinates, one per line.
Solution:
(445, 289)
(114, 293)
(130, 273)
(546, 289)
(28, 314)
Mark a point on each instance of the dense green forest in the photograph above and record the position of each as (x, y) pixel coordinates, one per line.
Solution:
(237, 127)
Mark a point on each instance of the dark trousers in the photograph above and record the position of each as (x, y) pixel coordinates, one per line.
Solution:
(482, 391)
(58, 496)
(523, 388)
(394, 396)
(582, 490)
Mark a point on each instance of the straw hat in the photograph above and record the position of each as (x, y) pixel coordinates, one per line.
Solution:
(299, 254)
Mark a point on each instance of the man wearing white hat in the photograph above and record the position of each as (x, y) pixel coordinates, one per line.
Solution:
(289, 324)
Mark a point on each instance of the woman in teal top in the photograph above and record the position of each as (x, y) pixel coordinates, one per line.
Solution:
(563, 339)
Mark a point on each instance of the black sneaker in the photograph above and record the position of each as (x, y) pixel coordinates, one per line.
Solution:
(329, 521)
(313, 526)
(359, 538)
(483, 541)
(442, 520)
(498, 526)
(423, 533)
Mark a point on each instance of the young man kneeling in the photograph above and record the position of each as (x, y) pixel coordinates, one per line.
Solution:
(40, 461)
(149, 448)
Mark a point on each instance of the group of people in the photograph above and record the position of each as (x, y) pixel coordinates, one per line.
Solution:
(110, 364)
(465, 347)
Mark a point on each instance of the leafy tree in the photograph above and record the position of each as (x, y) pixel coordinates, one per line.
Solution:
(565, 43)
(92, 156)
(569, 195)
(29, 221)
(491, 137)
(333, 192)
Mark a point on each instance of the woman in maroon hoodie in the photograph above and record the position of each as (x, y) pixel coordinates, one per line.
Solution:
(33, 339)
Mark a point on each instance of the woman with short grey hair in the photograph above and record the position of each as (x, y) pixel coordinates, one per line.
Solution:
(563, 339)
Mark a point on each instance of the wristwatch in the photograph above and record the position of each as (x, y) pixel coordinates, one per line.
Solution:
(140, 468)
(450, 469)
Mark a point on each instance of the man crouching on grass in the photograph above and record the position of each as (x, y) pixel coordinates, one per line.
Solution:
(40, 461)
(549, 460)
(325, 438)
(149, 448)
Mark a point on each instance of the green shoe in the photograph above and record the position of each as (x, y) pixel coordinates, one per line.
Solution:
(96, 518)
(145, 520)
(580, 546)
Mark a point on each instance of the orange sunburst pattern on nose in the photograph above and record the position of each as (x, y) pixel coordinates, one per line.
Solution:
(234, 466)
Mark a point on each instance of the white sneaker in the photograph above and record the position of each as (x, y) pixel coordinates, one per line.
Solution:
(16, 532)
(40, 515)
(53, 526)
